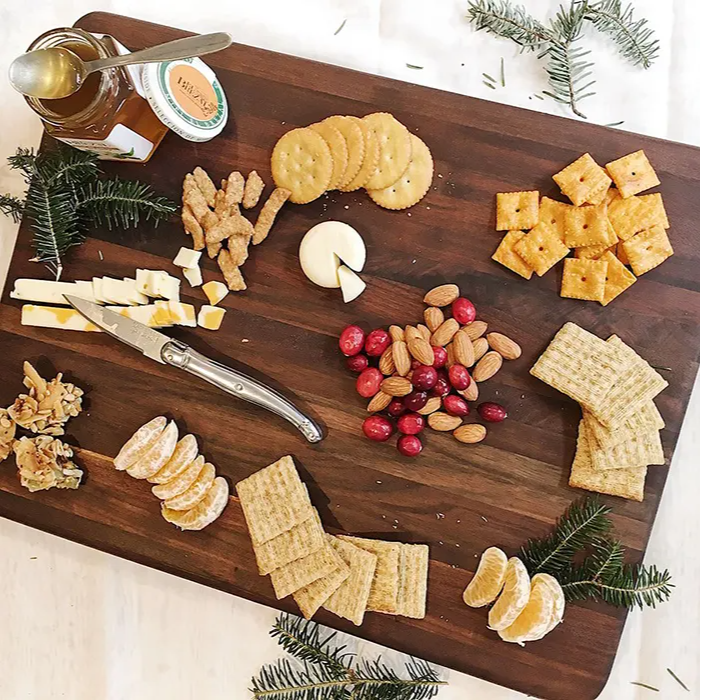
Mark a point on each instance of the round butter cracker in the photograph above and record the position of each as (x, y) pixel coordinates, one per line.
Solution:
(370, 159)
(395, 149)
(338, 147)
(355, 142)
(414, 182)
(302, 163)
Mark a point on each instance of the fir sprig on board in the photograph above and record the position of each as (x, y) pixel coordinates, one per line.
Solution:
(65, 197)
(566, 63)
(325, 670)
(602, 574)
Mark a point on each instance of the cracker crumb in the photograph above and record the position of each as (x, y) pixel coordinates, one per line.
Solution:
(440, 542)
(394, 526)
(346, 207)
(485, 520)
(245, 340)
(408, 213)
(378, 482)
(440, 516)
(440, 176)
(456, 544)
(384, 517)
(102, 257)
(457, 521)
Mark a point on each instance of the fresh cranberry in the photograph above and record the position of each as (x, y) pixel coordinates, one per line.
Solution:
(492, 412)
(377, 428)
(377, 342)
(442, 387)
(351, 340)
(411, 424)
(368, 382)
(415, 363)
(416, 400)
(424, 377)
(357, 363)
(459, 377)
(455, 405)
(440, 356)
(396, 407)
(464, 311)
(409, 445)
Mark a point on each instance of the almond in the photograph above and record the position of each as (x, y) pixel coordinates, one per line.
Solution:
(421, 350)
(443, 422)
(432, 405)
(433, 317)
(445, 332)
(411, 332)
(480, 346)
(475, 329)
(425, 333)
(507, 348)
(379, 402)
(450, 360)
(400, 356)
(396, 386)
(386, 364)
(462, 346)
(488, 366)
(472, 433)
(443, 295)
(471, 393)
(396, 333)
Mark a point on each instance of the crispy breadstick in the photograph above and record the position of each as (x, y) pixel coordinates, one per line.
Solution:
(205, 184)
(267, 215)
(253, 190)
(234, 188)
(192, 226)
(238, 249)
(232, 274)
(229, 226)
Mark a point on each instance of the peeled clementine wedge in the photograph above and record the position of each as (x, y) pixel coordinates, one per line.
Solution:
(158, 454)
(196, 492)
(514, 595)
(488, 579)
(534, 619)
(185, 452)
(180, 483)
(558, 609)
(139, 443)
(205, 512)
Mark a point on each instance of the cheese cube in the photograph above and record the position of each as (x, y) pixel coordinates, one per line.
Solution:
(215, 291)
(134, 294)
(142, 280)
(56, 317)
(193, 275)
(187, 257)
(210, 317)
(155, 280)
(161, 315)
(169, 287)
(182, 314)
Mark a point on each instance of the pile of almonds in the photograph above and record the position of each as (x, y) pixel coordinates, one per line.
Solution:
(423, 371)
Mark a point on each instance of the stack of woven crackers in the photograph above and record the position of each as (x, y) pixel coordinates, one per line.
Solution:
(347, 153)
(619, 434)
(609, 228)
(213, 218)
(345, 575)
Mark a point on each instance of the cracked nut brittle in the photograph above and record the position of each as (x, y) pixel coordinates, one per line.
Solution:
(7, 434)
(45, 462)
(48, 405)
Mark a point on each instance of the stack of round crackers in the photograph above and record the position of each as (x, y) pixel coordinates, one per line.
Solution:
(347, 153)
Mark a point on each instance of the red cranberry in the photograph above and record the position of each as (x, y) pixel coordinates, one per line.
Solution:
(351, 340)
(459, 377)
(368, 382)
(440, 357)
(377, 428)
(415, 364)
(411, 424)
(464, 311)
(492, 412)
(424, 377)
(442, 387)
(455, 405)
(409, 445)
(396, 407)
(416, 400)
(377, 342)
(357, 363)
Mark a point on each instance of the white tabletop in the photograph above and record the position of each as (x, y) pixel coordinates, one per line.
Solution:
(83, 625)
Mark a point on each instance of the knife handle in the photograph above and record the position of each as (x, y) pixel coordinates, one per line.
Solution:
(240, 385)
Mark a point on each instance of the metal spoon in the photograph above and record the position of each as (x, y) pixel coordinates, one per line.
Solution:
(54, 73)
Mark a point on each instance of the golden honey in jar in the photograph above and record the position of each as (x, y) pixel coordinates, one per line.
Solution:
(124, 113)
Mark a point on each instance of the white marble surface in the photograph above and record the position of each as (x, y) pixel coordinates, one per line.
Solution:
(82, 625)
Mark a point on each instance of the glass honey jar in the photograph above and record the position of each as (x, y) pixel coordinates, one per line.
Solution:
(121, 115)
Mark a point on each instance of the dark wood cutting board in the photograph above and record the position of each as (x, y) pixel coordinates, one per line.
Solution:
(458, 498)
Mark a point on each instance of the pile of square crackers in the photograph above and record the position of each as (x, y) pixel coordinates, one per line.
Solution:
(345, 575)
(213, 218)
(609, 228)
(619, 434)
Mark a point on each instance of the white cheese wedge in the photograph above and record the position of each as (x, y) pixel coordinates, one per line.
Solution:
(56, 317)
(210, 317)
(351, 285)
(187, 257)
(215, 291)
(169, 288)
(193, 275)
(142, 280)
(97, 290)
(327, 245)
(182, 314)
(50, 292)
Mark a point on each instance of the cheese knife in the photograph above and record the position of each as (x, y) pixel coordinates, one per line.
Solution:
(168, 351)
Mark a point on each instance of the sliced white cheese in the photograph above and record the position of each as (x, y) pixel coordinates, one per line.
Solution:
(142, 280)
(149, 315)
(351, 285)
(162, 316)
(327, 245)
(210, 317)
(114, 291)
(50, 292)
(169, 288)
(193, 275)
(135, 296)
(56, 317)
(187, 257)
(182, 314)
(155, 279)
(215, 291)
(97, 290)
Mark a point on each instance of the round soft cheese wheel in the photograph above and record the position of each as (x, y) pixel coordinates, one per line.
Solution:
(325, 247)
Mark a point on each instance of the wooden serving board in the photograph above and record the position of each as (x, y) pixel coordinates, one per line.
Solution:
(458, 498)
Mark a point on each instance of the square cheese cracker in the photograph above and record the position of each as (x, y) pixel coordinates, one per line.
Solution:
(552, 215)
(506, 255)
(517, 210)
(638, 213)
(582, 180)
(648, 249)
(541, 249)
(618, 278)
(632, 174)
(584, 279)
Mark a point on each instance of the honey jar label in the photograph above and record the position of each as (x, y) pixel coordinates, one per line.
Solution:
(121, 144)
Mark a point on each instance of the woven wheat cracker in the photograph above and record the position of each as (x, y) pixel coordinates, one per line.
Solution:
(646, 419)
(640, 450)
(413, 581)
(517, 210)
(584, 279)
(506, 255)
(312, 597)
(632, 174)
(395, 149)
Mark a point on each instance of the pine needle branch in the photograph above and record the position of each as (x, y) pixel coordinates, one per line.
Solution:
(66, 165)
(376, 681)
(23, 160)
(283, 681)
(11, 206)
(501, 18)
(634, 38)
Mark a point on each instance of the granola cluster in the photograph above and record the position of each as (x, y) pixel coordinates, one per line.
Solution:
(44, 462)
(7, 434)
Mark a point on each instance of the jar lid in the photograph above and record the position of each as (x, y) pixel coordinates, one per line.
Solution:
(187, 97)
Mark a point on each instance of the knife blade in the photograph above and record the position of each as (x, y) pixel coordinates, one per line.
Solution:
(161, 348)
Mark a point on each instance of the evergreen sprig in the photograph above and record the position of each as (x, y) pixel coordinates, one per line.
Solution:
(566, 63)
(65, 197)
(326, 670)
